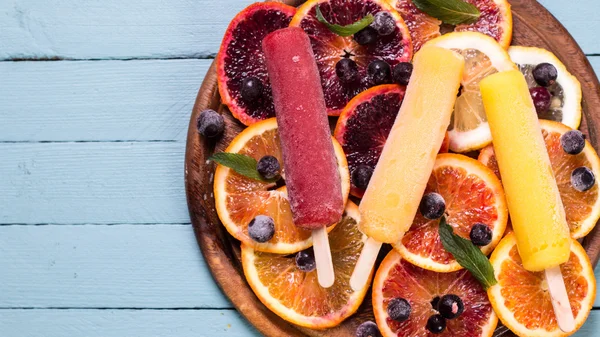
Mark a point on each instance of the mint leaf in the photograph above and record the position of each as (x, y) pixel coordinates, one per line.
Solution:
(240, 163)
(454, 12)
(467, 255)
(347, 30)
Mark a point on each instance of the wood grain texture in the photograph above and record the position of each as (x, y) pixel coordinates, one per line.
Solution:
(95, 266)
(533, 26)
(98, 101)
(168, 29)
(124, 323)
(100, 183)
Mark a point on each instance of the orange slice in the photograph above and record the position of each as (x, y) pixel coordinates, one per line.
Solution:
(239, 199)
(521, 298)
(473, 194)
(397, 278)
(582, 208)
(295, 295)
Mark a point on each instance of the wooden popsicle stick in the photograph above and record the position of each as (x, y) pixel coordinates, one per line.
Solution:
(365, 264)
(325, 273)
(560, 299)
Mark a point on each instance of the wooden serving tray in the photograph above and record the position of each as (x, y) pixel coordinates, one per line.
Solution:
(533, 26)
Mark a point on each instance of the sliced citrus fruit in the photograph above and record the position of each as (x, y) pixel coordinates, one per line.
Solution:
(582, 208)
(397, 278)
(565, 103)
(329, 48)
(364, 125)
(241, 57)
(495, 21)
(294, 294)
(469, 129)
(473, 194)
(239, 199)
(521, 297)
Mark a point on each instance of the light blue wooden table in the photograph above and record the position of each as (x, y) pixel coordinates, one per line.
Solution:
(95, 98)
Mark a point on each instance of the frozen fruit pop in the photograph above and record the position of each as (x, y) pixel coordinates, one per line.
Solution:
(396, 188)
(311, 172)
(536, 210)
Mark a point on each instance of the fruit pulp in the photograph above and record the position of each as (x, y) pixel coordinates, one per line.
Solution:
(536, 210)
(312, 178)
(400, 177)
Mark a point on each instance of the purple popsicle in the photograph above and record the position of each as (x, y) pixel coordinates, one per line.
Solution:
(311, 172)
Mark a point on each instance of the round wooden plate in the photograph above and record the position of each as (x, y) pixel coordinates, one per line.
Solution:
(533, 26)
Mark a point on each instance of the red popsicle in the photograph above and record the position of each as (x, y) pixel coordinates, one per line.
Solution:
(311, 172)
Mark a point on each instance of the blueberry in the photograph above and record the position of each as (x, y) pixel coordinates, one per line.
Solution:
(451, 306)
(541, 99)
(379, 71)
(261, 228)
(432, 206)
(366, 36)
(582, 179)
(573, 142)
(268, 167)
(399, 309)
(361, 176)
(481, 235)
(346, 70)
(401, 73)
(210, 124)
(434, 302)
(436, 324)
(368, 329)
(251, 89)
(545, 74)
(384, 23)
(305, 260)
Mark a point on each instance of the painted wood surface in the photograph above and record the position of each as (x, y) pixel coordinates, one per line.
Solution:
(75, 29)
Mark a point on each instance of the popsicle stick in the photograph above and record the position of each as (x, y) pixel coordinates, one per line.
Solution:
(325, 272)
(365, 263)
(560, 299)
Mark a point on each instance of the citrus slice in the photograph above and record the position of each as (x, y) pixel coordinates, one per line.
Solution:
(295, 295)
(469, 129)
(473, 194)
(521, 297)
(582, 208)
(329, 48)
(239, 199)
(364, 125)
(397, 278)
(565, 106)
(241, 57)
(495, 21)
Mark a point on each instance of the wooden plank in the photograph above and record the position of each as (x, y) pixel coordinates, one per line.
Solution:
(98, 183)
(130, 323)
(591, 327)
(125, 266)
(98, 101)
(168, 29)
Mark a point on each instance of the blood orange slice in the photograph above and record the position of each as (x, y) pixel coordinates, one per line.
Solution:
(495, 21)
(521, 297)
(329, 48)
(294, 294)
(364, 125)
(397, 278)
(241, 57)
(239, 199)
(582, 208)
(473, 194)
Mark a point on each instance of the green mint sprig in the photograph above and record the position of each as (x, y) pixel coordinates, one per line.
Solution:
(347, 30)
(240, 163)
(467, 255)
(454, 12)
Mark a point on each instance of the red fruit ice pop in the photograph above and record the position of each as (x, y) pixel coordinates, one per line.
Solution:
(311, 172)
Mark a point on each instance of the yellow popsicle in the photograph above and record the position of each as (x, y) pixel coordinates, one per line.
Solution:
(536, 211)
(392, 198)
